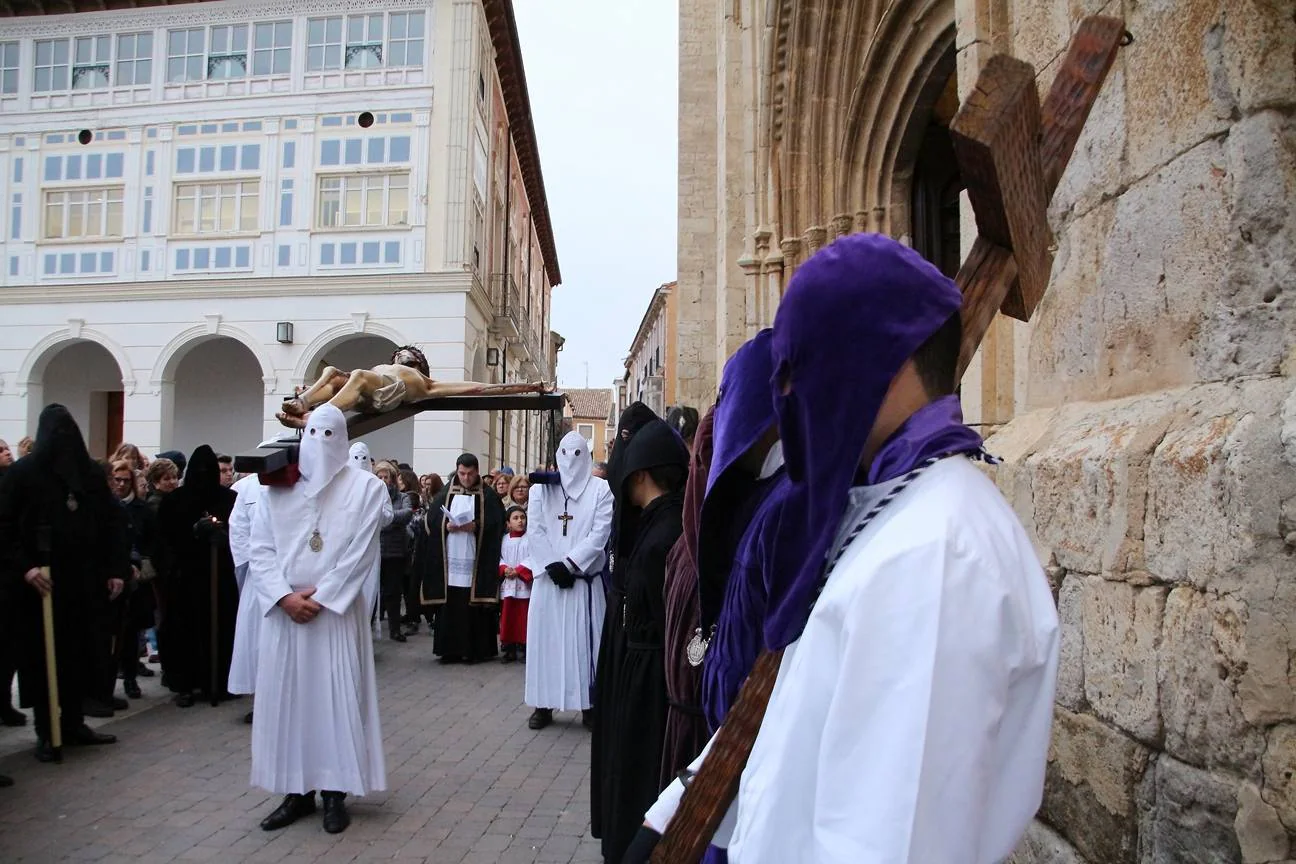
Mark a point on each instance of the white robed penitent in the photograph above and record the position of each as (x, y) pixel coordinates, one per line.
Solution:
(247, 626)
(316, 722)
(909, 723)
(569, 521)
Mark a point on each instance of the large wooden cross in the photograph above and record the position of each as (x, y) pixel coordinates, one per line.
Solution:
(1011, 154)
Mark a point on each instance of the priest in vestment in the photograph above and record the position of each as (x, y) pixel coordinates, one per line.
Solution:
(567, 528)
(458, 557)
(630, 702)
(909, 721)
(314, 548)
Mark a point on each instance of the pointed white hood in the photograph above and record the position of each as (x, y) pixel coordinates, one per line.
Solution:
(323, 449)
(360, 457)
(575, 463)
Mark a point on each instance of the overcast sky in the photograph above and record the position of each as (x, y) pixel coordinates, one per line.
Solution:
(603, 78)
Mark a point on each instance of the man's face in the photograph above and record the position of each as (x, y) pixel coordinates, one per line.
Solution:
(469, 476)
(227, 473)
(6, 455)
(123, 483)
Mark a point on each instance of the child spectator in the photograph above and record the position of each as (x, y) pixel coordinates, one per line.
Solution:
(515, 587)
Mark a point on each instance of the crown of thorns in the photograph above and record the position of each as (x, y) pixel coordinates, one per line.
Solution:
(408, 355)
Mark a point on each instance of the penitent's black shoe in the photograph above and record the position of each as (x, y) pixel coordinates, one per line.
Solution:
(540, 718)
(95, 708)
(45, 751)
(83, 735)
(587, 718)
(294, 807)
(336, 818)
(184, 700)
(398, 636)
(247, 718)
(132, 689)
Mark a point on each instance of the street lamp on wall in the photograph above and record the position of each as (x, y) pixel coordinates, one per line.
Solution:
(492, 356)
(284, 332)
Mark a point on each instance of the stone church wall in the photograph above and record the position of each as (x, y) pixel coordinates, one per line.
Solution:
(1155, 461)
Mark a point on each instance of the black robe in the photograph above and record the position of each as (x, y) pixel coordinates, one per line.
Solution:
(630, 724)
(186, 554)
(467, 622)
(60, 488)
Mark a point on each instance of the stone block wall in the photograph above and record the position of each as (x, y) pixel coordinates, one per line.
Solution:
(1155, 466)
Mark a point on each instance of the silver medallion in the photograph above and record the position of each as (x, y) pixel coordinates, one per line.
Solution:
(316, 542)
(72, 503)
(696, 649)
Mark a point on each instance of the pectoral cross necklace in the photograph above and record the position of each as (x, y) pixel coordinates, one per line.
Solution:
(565, 517)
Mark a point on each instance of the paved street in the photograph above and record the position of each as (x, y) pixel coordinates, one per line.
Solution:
(467, 781)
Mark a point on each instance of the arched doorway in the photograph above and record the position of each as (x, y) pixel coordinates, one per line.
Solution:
(937, 185)
(362, 351)
(217, 398)
(85, 378)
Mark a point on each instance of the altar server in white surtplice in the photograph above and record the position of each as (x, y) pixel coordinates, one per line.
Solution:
(567, 530)
(247, 629)
(314, 550)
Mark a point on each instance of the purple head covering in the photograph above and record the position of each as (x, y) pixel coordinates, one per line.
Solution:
(883, 301)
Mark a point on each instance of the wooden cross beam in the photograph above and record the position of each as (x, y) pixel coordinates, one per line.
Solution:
(1011, 155)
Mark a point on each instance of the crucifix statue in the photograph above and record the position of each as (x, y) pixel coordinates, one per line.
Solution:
(404, 379)
(1011, 154)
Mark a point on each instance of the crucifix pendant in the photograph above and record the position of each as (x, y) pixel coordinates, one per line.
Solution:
(565, 518)
(316, 542)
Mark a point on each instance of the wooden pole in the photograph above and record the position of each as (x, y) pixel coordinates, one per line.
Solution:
(51, 660)
(214, 638)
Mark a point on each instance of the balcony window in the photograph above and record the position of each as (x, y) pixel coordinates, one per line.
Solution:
(134, 59)
(8, 67)
(228, 55)
(405, 39)
(357, 41)
(272, 48)
(363, 201)
(83, 214)
(324, 44)
(217, 208)
(52, 67)
(91, 61)
(186, 55)
(364, 48)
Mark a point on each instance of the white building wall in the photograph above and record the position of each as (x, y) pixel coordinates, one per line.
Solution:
(162, 304)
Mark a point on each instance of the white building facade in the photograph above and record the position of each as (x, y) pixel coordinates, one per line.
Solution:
(205, 204)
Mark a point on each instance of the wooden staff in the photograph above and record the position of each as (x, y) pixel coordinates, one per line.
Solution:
(1011, 154)
(51, 662)
(214, 638)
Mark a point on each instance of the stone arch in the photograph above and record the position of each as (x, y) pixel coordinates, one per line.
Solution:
(211, 395)
(40, 355)
(86, 376)
(336, 335)
(174, 352)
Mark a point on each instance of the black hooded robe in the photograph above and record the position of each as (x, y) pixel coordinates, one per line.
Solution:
(187, 557)
(630, 702)
(59, 488)
(468, 618)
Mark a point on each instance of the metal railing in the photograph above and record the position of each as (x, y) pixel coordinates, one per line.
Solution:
(514, 322)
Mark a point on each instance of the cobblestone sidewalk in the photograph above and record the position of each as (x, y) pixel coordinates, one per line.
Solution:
(468, 781)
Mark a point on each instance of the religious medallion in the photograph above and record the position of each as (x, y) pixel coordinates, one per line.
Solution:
(696, 649)
(72, 503)
(316, 542)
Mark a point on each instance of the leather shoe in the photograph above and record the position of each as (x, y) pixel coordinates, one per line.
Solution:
(85, 736)
(294, 807)
(45, 751)
(336, 818)
(143, 671)
(11, 716)
(247, 718)
(131, 689)
(184, 700)
(540, 718)
(398, 636)
(119, 704)
(95, 708)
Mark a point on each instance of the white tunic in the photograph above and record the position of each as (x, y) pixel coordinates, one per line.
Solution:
(564, 625)
(910, 722)
(515, 552)
(316, 722)
(242, 677)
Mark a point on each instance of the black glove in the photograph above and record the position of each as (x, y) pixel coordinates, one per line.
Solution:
(641, 847)
(561, 576)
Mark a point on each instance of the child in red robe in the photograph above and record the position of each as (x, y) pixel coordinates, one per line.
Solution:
(515, 587)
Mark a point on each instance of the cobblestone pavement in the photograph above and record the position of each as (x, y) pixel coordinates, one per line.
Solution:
(468, 782)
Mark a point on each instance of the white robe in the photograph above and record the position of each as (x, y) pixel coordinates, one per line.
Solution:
(564, 626)
(247, 627)
(316, 722)
(515, 552)
(910, 722)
